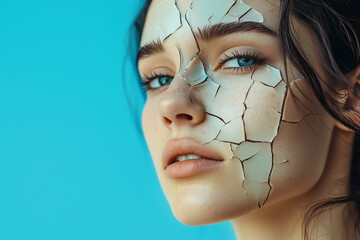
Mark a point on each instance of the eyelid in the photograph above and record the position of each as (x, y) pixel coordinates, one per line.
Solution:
(156, 72)
(234, 53)
(153, 75)
(148, 79)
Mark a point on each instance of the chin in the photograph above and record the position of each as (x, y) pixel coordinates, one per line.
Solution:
(195, 211)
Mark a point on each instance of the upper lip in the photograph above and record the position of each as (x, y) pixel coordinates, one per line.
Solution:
(184, 146)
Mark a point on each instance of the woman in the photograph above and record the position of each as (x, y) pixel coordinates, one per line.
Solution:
(252, 111)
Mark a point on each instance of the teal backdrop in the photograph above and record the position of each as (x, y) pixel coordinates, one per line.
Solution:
(72, 164)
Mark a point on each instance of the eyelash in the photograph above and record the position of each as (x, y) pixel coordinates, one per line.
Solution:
(258, 61)
(147, 79)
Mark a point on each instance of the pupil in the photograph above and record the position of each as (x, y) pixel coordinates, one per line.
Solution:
(164, 81)
(244, 62)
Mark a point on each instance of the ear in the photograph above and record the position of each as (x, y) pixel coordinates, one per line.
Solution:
(352, 102)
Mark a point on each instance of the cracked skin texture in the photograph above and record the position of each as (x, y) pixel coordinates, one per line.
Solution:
(259, 122)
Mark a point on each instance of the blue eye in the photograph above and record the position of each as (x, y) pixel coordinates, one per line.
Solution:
(245, 62)
(165, 80)
(157, 81)
(239, 62)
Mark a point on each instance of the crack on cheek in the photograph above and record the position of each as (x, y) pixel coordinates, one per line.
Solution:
(279, 112)
(302, 119)
(217, 91)
(258, 190)
(243, 171)
(213, 115)
(246, 107)
(232, 126)
(271, 171)
(285, 161)
(257, 180)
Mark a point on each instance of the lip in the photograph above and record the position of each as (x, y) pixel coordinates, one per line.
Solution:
(191, 167)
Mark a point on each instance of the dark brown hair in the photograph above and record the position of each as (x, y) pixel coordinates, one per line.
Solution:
(336, 26)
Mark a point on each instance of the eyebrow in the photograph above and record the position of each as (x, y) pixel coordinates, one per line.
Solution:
(208, 33)
(150, 49)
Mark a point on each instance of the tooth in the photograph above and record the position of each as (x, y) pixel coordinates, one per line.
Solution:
(188, 156)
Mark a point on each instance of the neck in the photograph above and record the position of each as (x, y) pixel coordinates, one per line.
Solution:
(284, 220)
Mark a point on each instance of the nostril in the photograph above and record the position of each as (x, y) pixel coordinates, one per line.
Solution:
(167, 121)
(184, 116)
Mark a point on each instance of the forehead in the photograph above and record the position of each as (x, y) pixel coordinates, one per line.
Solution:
(165, 17)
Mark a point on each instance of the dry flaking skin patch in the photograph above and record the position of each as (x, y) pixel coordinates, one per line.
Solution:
(161, 30)
(241, 125)
(245, 114)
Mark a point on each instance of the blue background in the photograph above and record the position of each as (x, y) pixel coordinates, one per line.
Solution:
(72, 164)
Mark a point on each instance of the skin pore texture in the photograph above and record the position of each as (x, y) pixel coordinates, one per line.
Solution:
(216, 78)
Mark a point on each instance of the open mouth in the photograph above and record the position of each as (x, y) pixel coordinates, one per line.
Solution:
(186, 157)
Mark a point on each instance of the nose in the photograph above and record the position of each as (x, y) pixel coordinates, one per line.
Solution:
(178, 108)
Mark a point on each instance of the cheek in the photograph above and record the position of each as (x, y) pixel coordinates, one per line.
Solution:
(146, 121)
(249, 107)
(302, 144)
(151, 129)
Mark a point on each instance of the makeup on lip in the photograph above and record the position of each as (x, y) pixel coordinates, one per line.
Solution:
(186, 158)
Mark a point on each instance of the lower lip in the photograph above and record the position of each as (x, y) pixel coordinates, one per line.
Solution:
(189, 168)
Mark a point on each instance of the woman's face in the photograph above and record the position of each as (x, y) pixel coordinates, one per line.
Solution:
(228, 130)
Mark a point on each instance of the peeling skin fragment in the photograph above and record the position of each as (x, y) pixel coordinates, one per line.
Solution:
(238, 10)
(257, 164)
(266, 95)
(241, 12)
(162, 30)
(263, 97)
(200, 14)
(207, 134)
(252, 16)
(233, 147)
(232, 106)
(232, 132)
(261, 128)
(195, 73)
(267, 75)
(247, 150)
(256, 168)
(229, 100)
(191, 44)
(249, 133)
(206, 91)
(281, 89)
(257, 190)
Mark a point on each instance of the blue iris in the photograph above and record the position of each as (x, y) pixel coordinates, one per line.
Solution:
(245, 62)
(165, 80)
